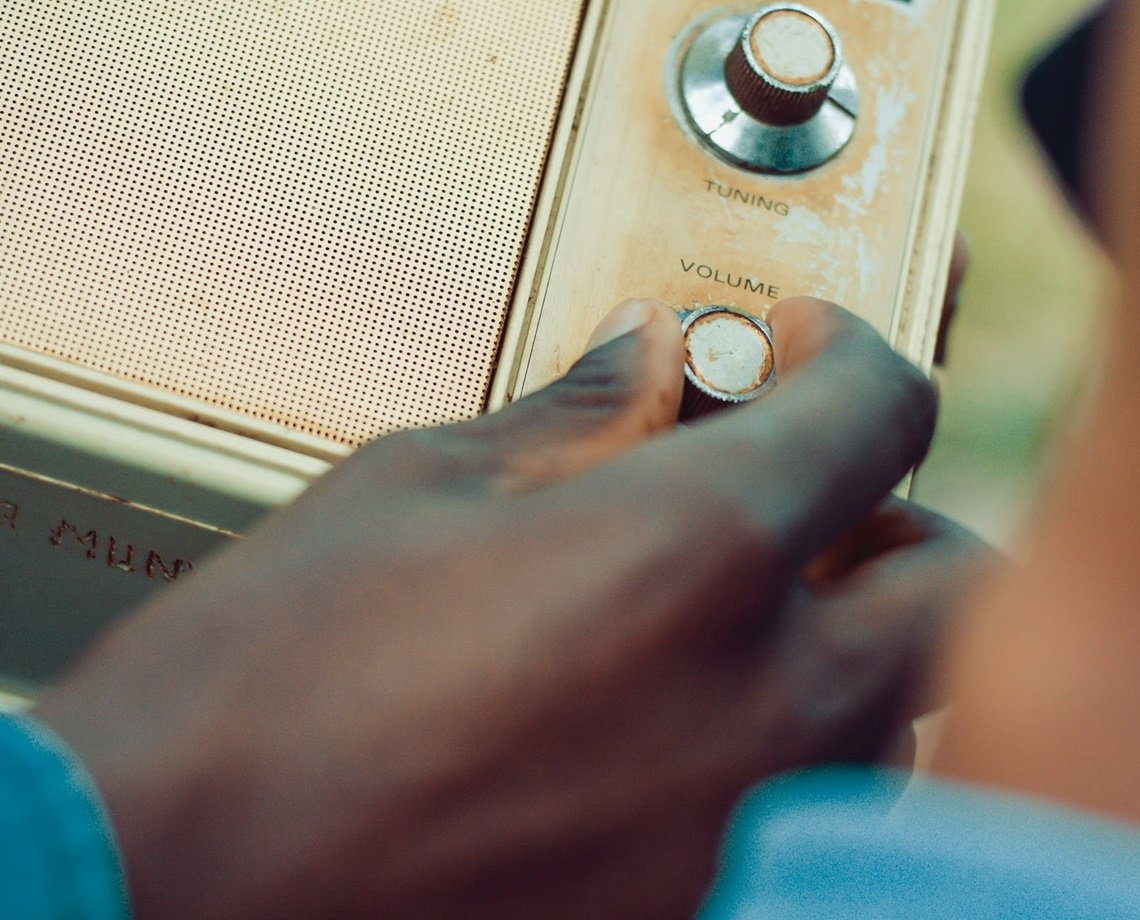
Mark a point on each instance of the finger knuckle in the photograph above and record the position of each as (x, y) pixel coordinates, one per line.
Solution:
(914, 404)
(733, 534)
(603, 381)
(451, 455)
(905, 396)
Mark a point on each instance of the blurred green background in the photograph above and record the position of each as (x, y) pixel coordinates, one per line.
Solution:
(1031, 313)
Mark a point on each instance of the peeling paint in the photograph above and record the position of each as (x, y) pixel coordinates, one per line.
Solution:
(893, 100)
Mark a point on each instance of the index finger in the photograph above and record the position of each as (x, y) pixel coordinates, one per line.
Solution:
(800, 467)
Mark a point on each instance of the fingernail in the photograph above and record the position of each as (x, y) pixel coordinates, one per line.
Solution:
(622, 320)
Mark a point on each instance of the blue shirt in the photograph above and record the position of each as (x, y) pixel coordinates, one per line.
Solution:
(818, 846)
(58, 856)
(842, 844)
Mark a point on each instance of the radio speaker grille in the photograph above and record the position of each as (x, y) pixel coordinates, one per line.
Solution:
(310, 212)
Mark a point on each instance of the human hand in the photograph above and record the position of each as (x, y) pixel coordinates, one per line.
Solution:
(523, 666)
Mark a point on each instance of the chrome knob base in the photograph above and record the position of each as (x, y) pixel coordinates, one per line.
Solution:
(770, 91)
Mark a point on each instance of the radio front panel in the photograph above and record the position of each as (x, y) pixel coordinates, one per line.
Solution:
(239, 239)
(653, 210)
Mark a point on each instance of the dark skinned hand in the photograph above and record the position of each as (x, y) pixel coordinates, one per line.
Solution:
(522, 667)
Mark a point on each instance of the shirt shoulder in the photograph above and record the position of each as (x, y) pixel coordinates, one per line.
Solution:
(58, 854)
(860, 843)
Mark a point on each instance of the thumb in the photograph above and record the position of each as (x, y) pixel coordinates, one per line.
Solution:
(626, 388)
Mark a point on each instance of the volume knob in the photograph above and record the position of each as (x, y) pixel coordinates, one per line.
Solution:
(784, 65)
(729, 358)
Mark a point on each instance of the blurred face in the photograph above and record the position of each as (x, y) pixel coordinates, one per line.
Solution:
(1113, 160)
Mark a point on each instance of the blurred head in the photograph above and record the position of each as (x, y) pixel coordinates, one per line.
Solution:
(1112, 161)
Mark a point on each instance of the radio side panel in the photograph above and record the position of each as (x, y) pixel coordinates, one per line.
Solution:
(102, 503)
(72, 560)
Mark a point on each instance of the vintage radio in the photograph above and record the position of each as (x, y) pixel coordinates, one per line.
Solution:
(239, 238)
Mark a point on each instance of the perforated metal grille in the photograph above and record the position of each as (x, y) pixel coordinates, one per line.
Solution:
(307, 211)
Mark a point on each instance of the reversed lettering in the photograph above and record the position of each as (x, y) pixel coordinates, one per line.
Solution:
(156, 567)
(124, 564)
(9, 515)
(65, 528)
(110, 551)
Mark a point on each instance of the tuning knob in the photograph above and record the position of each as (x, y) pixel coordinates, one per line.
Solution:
(768, 91)
(729, 358)
(784, 65)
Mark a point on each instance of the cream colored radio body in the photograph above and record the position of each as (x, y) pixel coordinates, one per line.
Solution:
(238, 239)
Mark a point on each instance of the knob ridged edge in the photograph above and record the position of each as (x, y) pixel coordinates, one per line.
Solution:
(700, 397)
(765, 96)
